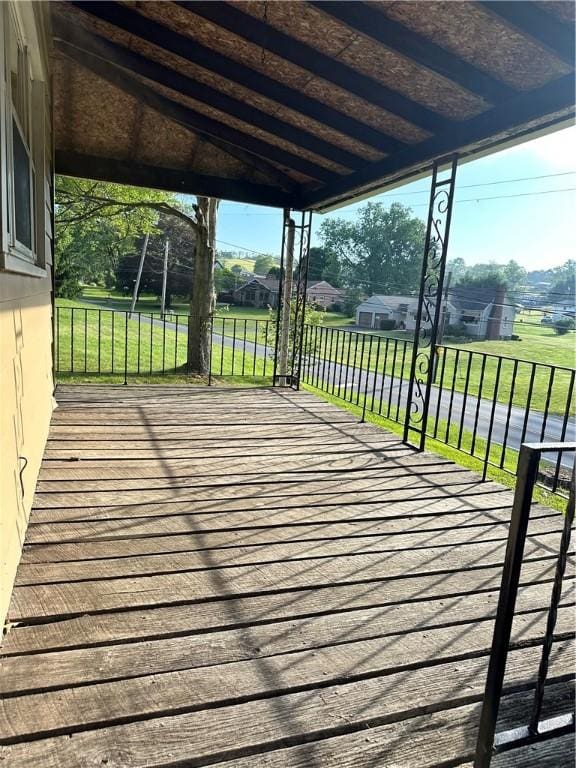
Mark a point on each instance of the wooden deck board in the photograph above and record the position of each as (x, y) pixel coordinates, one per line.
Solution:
(250, 578)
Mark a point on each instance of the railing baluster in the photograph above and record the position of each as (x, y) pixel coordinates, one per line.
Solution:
(439, 392)
(528, 402)
(465, 401)
(151, 341)
(389, 408)
(222, 347)
(492, 415)
(551, 373)
(113, 323)
(376, 373)
(478, 404)
(163, 344)
(325, 356)
(564, 428)
(72, 341)
(384, 375)
(244, 346)
(57, 340)
(361, 367)
(85, 341)
(401, 379)
(176, 343)
(233, 345)
(508, 414)
(139, 341)
(452, 391)
(125, 347)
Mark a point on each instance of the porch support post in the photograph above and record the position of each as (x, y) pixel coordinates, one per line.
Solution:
(286, 313)
(301, 297)
(430, 301)
(279, 304)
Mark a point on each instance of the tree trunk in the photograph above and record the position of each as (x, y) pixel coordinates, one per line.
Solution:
(203, 297)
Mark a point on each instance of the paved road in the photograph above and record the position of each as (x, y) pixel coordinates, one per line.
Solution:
(510, 426)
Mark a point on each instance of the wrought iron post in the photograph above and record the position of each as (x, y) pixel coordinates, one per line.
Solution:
(285, 223)
(304, 228)
(430, 300)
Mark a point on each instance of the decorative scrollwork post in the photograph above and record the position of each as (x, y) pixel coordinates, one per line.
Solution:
(430, 302)
(305, 230)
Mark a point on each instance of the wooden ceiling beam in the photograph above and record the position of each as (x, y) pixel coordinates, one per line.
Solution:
(544, 28)
(166, 76)
(397, 37)
(152, 32)
(196, 122)
(169, 179)
(555, 99)
(320, 65)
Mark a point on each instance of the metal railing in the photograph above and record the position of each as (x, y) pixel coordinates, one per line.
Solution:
(482, 405)
(130, 345)
(489, 742)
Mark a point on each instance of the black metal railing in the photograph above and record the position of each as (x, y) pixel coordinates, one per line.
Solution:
(125, 345)
(482, 405)
(489, 742)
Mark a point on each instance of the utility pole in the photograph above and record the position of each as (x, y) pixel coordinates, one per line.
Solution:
(164, 278)
(139, 275)
(286, 305)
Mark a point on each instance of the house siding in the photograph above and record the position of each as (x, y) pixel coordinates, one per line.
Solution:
(26, 383)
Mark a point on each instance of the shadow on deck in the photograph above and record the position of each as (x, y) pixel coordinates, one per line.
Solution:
(251, 578)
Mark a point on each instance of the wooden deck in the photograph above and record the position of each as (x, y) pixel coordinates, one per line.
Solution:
(250, 578)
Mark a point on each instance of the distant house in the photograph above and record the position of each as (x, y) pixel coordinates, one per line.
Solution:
(379, 311)
(263, 292)
(258, 292)
(322, 294)
(484, 314)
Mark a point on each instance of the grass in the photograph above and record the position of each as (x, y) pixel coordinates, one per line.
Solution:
(105, 344)
(459, 366)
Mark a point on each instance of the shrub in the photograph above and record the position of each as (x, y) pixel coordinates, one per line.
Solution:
(564, 325)
(386, 325)
(457, 331)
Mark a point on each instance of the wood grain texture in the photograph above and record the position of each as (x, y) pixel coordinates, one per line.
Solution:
(250, 578)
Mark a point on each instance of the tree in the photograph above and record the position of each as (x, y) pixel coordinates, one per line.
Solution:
(316, 263)
(274, 272)
(380, 252)
(511, 275)
(181, 239)
(203, 299)
(263, 264)
(563, 283)
(564, 325)
(83, 208)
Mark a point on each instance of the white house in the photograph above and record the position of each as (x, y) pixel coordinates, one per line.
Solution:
(379, 310)
(483, 313)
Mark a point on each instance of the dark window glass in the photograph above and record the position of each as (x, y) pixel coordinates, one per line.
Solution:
(22, 199)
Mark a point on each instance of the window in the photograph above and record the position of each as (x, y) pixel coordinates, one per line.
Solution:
(23, 116)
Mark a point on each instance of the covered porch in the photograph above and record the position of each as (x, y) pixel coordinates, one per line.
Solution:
(250, 577)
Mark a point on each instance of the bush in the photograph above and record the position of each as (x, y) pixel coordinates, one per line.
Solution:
(457, 331)
(564, 325)
(386, 325)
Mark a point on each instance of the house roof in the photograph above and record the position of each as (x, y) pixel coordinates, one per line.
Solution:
(301, 104)
(266, 282)
(323, 285)
(472, 298)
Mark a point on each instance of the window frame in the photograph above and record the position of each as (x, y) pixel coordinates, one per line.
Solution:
(15, 256)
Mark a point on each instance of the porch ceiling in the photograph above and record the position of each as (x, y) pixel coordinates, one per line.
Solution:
(301, 104)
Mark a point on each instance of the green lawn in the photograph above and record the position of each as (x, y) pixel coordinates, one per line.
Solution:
(106, 343)
(509, 375)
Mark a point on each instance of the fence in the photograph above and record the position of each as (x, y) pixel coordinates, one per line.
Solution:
(122, 346)
(490, 742)
(481, 405)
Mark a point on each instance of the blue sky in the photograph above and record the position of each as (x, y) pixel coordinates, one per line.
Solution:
(536, 227)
